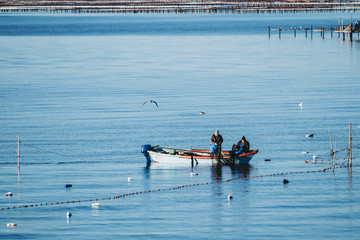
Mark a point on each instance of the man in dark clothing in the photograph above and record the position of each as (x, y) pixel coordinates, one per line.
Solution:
(243, 146)
(215, 141)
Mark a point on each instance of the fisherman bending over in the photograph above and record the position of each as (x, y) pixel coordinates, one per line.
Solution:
(215, 141)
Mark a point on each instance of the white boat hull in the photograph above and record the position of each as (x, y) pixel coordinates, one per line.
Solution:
(176, 160)
(169, 159)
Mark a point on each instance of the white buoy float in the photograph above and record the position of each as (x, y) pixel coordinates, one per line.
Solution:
(95, 205)
(230, 197)
(304, 152)
(8, 194)
(309, 135)
(68, 214)
(300, 105)
(11, 225)
(201, 112)
(130, 179)
(193, 174)
(315, 157)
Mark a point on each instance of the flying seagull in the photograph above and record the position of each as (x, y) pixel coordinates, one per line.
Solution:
(151, 101)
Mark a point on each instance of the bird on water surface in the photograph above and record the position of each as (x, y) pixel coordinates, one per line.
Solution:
(151, 101)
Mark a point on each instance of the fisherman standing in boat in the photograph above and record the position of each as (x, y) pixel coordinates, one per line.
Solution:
(215, 141)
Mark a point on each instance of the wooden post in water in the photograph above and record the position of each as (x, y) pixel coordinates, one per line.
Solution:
(332, 150)
(269, 30)
(306, 32)
(18, 155)
(192, 159)
(349, 160)
(294, 32)
(311, 31)
(279, 32)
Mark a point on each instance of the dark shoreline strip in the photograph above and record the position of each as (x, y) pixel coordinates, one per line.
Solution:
(175, 7)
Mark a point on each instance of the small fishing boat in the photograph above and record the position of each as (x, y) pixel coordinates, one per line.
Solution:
(182, 157)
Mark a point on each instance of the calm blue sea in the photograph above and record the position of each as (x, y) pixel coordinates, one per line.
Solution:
(72, 87)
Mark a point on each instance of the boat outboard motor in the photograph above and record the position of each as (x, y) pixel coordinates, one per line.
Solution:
(144, 150)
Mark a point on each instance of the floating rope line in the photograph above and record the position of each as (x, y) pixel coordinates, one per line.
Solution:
(322, 161)
(342, 150)
(167, 189)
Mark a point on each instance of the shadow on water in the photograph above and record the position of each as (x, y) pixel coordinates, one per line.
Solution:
(147, 171)
(240, 170)
(216, 172)
(237, 171)
(216, 175)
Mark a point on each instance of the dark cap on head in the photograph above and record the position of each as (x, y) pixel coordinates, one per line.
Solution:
(243, 138)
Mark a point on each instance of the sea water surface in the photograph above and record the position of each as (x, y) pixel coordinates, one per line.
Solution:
(72, 87)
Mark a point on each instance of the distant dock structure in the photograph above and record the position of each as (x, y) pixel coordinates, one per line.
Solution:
(348, 30)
